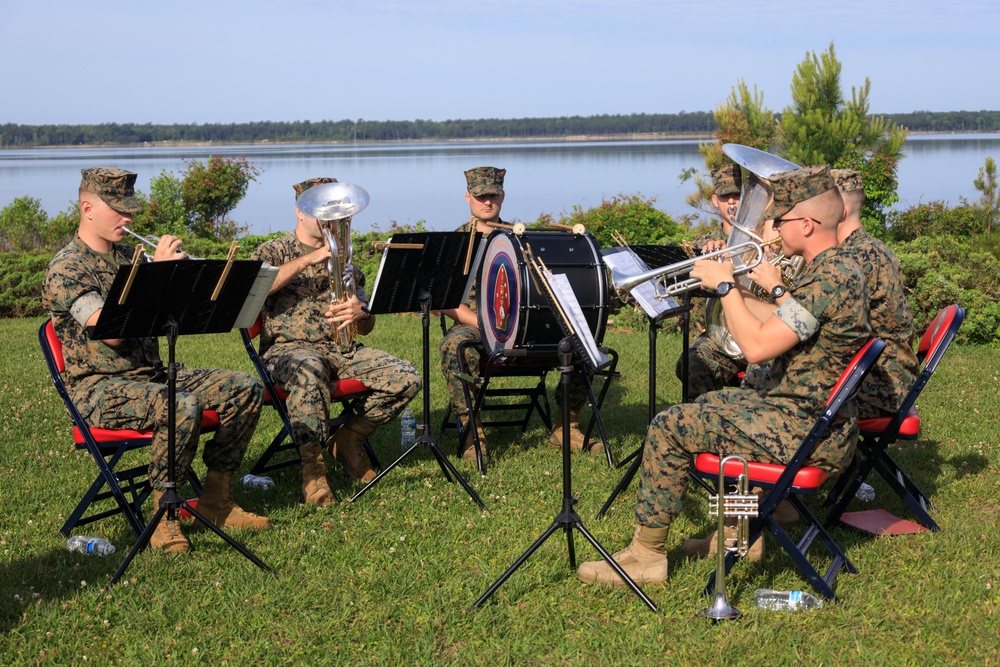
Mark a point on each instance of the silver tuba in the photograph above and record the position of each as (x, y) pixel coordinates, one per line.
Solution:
(333, 205)
(756, 167)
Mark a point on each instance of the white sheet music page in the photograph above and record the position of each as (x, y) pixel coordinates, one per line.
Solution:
(564, 294)
(628, 263)
(255, 299)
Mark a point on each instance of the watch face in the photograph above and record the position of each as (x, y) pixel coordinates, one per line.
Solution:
(723, 288)
(777, 291)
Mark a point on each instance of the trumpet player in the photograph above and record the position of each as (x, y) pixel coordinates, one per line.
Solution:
(299, 345)
(122, 383)
(811, 337)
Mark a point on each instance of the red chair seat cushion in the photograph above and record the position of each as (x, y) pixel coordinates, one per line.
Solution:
(344, 388)
(910, 428)
(767, 473)
(209, 422)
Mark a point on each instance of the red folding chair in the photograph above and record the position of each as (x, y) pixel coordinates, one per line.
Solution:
(128, 487)
(795, 480)
(878, 434)
(349, 393)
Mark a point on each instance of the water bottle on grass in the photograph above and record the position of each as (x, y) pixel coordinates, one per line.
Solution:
(257, 482)
(407, 430)
(92, 546)
(765, 598)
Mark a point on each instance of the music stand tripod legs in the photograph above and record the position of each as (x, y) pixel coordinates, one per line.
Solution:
(171, 502)
(567, 519)
(427, 439)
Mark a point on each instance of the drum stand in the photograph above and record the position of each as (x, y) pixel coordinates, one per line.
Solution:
(427, 439)
(567, 519)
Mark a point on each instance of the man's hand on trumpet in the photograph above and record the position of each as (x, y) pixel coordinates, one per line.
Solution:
(713, 245)
(711, 273)
(766, 275)
(168, 249)
(353, 310)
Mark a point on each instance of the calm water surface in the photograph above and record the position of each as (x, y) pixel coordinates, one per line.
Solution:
(412, 182)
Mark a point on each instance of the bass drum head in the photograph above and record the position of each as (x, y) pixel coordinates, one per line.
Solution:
(501, 283)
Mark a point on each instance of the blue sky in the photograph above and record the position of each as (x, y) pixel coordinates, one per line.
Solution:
(249, 60)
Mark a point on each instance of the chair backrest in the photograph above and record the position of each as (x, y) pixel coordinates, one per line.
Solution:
(254, 329)
(51, 346)
(849, 381)
(939, 334)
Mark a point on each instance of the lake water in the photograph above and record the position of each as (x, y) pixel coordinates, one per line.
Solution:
(424, 181)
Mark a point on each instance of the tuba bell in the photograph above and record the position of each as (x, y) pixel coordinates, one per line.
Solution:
(333, 205)
(756, 167)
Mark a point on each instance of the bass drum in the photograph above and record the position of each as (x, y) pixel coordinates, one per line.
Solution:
(512, 313)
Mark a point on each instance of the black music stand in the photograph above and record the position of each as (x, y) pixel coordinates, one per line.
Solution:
(179, 298)
(567, 519)
(420, 273)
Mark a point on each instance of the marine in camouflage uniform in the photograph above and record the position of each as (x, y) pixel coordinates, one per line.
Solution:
(123, 384)
(891, 319)
(485, 195)
(817, 331)
(709, 367)
(302, 355)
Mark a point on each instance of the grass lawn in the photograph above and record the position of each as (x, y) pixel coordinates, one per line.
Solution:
(390, 579)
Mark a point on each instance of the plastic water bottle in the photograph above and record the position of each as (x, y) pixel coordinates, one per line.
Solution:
(764, 598)
(257, 482)
(92, 546)
(407, 430)
(865, 493)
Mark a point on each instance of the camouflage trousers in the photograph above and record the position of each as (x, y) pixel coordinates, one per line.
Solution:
(728, 422)
(709, 368)
(123, 402)
(310, 376)
(448, 347)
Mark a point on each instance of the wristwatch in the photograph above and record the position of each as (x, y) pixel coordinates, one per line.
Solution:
(778, 291)
(722, 289)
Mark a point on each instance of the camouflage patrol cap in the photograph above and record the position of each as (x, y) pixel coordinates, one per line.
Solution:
(115, 187)
(797, 185)
(309, 183)
(727, 180)
(847, 180)
(485, 181)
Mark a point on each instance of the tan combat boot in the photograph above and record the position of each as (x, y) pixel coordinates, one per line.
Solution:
(575, 435)
(346, 445)
(644, 561)
(216, 504)
(468, 448)
(315, 488)
(168, 537)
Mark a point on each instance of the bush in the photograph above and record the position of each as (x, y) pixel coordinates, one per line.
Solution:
(21, 275)
(934, 219)
(631, 216)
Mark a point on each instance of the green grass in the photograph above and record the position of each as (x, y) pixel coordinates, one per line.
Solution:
(390, 579)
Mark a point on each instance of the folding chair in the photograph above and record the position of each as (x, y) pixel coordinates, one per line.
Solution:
(128, 487)
(878, 434)
(795, 480)
(349, 393)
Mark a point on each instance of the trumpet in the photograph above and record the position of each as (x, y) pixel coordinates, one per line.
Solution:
(624, 284)
(152, 241)
(740, 505)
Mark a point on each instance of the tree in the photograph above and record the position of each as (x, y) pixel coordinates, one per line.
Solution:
(741, 119)
(986, 183)
(211, 191)
(822, 127)
(164, 211)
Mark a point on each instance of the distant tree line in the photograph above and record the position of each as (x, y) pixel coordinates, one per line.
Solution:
(694, 123)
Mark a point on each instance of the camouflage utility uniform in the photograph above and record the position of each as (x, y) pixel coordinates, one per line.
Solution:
(299, 349)
(883, 390)
(829, 315)
(125, 387)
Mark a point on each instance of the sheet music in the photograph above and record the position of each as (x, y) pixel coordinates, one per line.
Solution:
(255, 299)
(566, 297)
(628, 263)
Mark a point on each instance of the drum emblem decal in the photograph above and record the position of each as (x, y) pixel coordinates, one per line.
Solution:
(501, 299)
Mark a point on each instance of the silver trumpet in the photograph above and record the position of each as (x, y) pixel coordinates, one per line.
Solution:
(152, 241)
(333, 205)
(740, 505)
(624, 284)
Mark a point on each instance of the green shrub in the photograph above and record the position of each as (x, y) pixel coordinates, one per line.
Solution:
(21, 275)
(934, 219)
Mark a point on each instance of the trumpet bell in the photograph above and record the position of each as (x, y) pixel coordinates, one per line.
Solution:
(333, 201)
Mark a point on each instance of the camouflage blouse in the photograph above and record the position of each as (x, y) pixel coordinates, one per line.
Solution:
(295, 314)
(891, 319)
(829, 315)
(76, 283)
